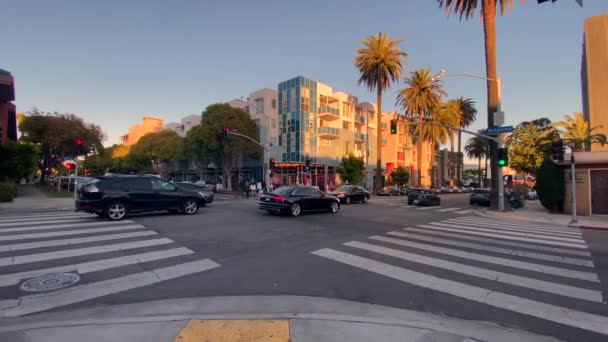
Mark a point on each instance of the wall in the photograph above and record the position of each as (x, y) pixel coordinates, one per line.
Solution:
(583, 204)
(148, 125)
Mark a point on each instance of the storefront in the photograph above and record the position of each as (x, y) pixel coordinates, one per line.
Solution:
(292, 173)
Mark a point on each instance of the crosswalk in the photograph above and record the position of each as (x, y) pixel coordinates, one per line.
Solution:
(50, 243)
(401, 204)
(532, 269)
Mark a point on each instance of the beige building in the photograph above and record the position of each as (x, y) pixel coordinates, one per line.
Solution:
(185, 124)
(594, 75)
(148, 125)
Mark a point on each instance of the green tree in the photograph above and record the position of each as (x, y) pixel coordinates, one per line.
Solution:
(400, 176)
(550, 185)
(17, 160)
(527, 147)
(379, 62)
(421, 97)
(161, 148)
(468, 115)
(577, 129)
(471, 176)
(351, 169)
(196, 148)
(477, 147)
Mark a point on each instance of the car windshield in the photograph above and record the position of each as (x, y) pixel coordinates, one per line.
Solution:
(345, 188)
(284, 190)
(481, 191)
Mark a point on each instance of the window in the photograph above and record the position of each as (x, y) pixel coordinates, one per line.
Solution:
(259, 105)
(383, 141)
(321, 123)
(292, 99)
(139, 184)
(274, 122)
(325, 142)
(399, 155)
(305, 99)
(400, 139)
(274, 142)
(347, 147)
(346, 125)
(161, 184)
(274, 104)
(284, 101)
(346, 109)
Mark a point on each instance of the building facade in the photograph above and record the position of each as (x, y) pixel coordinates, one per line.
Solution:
(148, 125)
(185, 125)
(594, 75)
(8, 112)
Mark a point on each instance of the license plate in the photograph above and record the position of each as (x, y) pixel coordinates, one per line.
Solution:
(415, 201)
(267, 199)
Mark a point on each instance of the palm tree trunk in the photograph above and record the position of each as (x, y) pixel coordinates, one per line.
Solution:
(419, 145)
(492, 184)
(452, 154)
(379, 175)
(489, 30)
(459, 161)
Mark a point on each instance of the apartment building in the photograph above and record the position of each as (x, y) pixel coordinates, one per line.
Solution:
(185, 125)
(8, 112)
(148, 125)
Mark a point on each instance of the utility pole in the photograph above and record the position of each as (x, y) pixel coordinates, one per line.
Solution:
(573, 180)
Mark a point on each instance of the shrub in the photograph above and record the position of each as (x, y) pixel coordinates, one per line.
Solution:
(8, 191)
(550, 186)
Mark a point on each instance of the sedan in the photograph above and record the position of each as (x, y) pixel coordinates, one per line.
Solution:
(295, 200)
(389, 191)
(428, 199)
(350, 193)
(205, 192)
(480, 197)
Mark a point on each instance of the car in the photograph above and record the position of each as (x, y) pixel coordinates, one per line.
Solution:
(117, 196)
(295, 200)
(389, 191)
(532, 195)
(465, 190)
(480, 197)
(413, 195)
(350, 193)
(212, 187)
(428, 199)
(206, 192)
(404, 191)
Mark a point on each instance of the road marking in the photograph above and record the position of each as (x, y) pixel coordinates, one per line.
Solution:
(16, 224)
(507, 228)
(74, 241)
(24, 259)
(97, 265)
(67, 232)
(77, 294)
(516, 227)
(447, 210)
(501, 237)
(38, 218)
(429, 208)
(467, 211)
(235, 330)
(523, 223)
(68, 225)
(546, 286)
(17, 218)
(507, 251)
(577, 319)
(511, 233)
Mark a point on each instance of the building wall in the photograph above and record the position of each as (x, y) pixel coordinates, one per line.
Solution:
(583, 203)
(8, 119)
(185, 125)
(148, 125)
(594, 74)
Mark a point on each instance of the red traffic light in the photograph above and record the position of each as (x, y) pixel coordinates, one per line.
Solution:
(69, 166)
(226, 129)
(79, 142)
(87, 171)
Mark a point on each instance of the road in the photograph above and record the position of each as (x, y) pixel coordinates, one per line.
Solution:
(447, 260)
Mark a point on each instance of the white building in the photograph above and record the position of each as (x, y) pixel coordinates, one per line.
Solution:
(187, 122)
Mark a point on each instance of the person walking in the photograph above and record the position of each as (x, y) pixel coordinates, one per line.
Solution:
(252, 188)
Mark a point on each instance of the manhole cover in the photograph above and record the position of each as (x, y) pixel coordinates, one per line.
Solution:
(49, 282)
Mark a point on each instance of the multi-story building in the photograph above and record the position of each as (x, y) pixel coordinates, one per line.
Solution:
(445, 170)
(8, 113)
(148, 125)
(185, 125)
(594, 75)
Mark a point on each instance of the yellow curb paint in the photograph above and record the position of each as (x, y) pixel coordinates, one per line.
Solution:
(234, 331)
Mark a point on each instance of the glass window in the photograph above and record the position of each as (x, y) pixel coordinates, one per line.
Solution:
(274, 122)
(259, 105)
(140, 184)
(305, 99)
(346, 125)
(274, 104)
(284, 101)
(161, 184)
(292, 99)
(346, 109)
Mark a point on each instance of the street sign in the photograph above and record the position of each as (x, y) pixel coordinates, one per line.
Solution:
(70, 158)
(499, 129)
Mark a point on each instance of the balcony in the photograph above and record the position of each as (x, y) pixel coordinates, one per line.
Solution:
(328, 113)
(329, 132)
(359, 137)
(359, 120)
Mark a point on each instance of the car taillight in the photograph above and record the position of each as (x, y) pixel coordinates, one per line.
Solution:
(278, 198)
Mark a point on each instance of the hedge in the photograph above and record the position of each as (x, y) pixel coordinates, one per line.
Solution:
(8, 191)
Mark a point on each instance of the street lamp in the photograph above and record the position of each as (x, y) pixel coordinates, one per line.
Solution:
(495, 122)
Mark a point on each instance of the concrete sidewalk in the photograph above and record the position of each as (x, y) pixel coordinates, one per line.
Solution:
(535, 212)
(29, 197)
(253, 318)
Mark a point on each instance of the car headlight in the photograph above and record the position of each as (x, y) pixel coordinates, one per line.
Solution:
(202, 194)
(341, 196)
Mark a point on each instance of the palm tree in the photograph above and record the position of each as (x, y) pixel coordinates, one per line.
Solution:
(421, 97)
(379, 63)
(450, 114)
(468, 114)
(477, 147)
(577, 129)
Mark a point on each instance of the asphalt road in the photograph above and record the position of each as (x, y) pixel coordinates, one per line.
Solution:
(446, 260)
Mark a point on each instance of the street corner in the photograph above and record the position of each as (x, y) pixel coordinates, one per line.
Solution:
(234, 331)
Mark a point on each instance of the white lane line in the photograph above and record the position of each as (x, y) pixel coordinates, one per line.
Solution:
(51, 221)
(392, 204)
(466, 211)
(546, 286)
(561, 272)
(73, 241)
(68, 253)
(429, 208)
(447, 210)
(67, 225)
(507, 251)
(502, 225)
(503, 237)
(68, 232)
(41, 218)
(577, 319)
(511, 233)
(71, 295)
(97, 265)
(515, 223)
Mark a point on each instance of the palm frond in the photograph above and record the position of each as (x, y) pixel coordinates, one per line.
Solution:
(379, 61)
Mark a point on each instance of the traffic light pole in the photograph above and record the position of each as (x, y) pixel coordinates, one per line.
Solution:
(573, 181)
(75, 177)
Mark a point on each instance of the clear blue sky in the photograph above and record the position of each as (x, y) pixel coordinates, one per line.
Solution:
(111, 62)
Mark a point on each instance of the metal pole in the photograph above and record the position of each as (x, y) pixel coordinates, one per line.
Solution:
(75, 177)
(573, 180)
(501, 185)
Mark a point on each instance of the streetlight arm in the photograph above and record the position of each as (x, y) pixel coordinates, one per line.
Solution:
(466, 74)
(249, 138)
(496, 139)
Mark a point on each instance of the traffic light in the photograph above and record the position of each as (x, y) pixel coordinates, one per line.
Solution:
(393, 126)
(503, 157)
(307, 167)
(557, 149)
(79, 146)
(271, 163)
(87, 172)
(69, 166)
(222, 135)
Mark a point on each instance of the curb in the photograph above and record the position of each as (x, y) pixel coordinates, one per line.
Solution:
(589, 227)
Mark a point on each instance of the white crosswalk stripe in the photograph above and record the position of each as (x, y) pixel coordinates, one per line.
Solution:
(33, 245)
(447, 210)
(529, 273)
(402, 204)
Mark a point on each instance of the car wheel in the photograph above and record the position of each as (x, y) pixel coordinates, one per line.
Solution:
(365, 199)
(347, 200)
(295, 209)
(334, 207)
(116, 211)
(189, 207)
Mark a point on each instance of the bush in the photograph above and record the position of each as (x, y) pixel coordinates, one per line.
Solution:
(8, 191)
(550, 186)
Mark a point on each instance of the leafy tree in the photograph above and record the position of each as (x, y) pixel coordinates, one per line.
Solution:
(379, 63)
(421, 97)
(17, 160)
(527, 147)
(550, 185)
(577, 129)
(477, 147)
(400, 176)
(159, 147)
(468, 115)
(351, 169)
(471, 176)
(196, 148)
(55, 135)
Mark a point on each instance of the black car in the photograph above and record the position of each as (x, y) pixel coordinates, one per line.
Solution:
(413, 194)
(350, 193)
(480, 197)
(297, 199)
(428, 199)
(389, 191)
(115, 197)
(205, 191)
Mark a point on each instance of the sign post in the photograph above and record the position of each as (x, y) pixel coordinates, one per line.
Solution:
(573, 180)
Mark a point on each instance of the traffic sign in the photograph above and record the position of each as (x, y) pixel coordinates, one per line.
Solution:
(499, 129)
(70, 158)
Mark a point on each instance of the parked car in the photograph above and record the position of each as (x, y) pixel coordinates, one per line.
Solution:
(480, 197)
(298, 199)
(404, 191)
(207, 185)
(115, 197)
(350, 193)
(389, 191)
(532, 195)
(413, 195)
(427, 199)
(205, 191)
(465, 190)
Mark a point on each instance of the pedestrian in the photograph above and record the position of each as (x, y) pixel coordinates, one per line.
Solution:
(252, 188)
(258, 187)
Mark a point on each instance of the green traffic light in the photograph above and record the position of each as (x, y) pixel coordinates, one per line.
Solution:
(502, 162)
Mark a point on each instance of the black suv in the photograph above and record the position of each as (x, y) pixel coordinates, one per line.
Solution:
(116, 196)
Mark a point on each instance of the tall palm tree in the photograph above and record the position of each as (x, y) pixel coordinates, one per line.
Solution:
(468, 114)
(421, 97)
(451, 115)
(380, 64)
(577, 129)
(477, 147)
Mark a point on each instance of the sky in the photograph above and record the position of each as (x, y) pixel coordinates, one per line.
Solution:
(112, 62)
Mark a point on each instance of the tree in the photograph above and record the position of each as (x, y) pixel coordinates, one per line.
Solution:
(577, 129)
(17, 160)
(196, 149)
(450, 114)
(550, 185)
(379, 64)
(159, 147)
(400, 176)
(477, 147)
(351, 169)
(55, 135)
(471, 176)
(528, 146)
(421, 97)
(468, 115)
